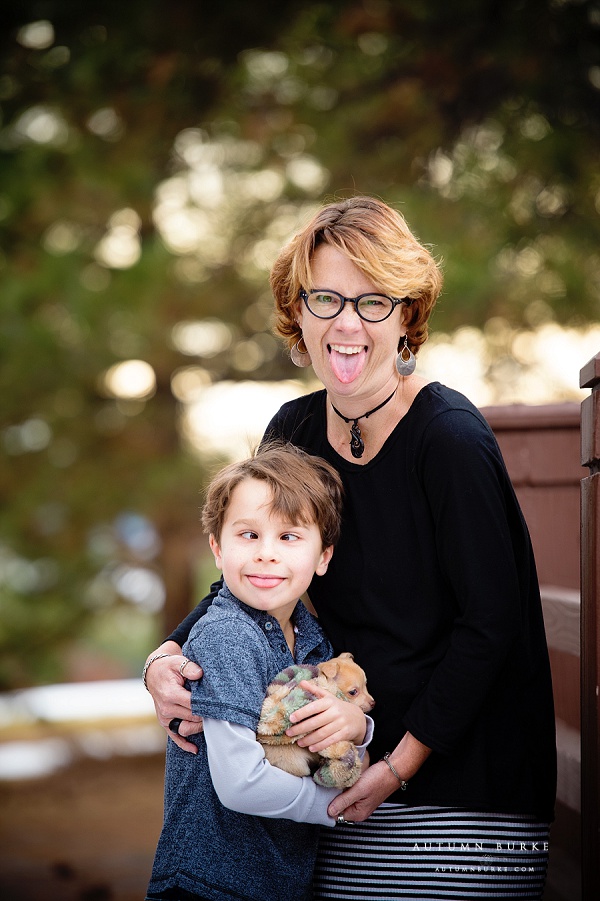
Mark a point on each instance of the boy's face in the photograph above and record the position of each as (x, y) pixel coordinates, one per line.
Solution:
(267, 563)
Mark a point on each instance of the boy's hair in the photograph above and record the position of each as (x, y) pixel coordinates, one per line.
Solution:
(305, 489)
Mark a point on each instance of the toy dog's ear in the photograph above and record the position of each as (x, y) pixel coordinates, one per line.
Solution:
(329, 668)
(346, 655)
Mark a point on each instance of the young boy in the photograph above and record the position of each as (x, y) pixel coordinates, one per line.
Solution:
(234, 826)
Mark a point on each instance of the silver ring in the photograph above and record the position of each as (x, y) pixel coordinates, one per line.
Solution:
(183, 666)
(340, 818)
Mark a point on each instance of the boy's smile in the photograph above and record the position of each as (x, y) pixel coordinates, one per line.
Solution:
(265, 581)
(267, 562)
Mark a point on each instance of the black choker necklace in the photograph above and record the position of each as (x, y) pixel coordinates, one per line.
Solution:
(357, 445)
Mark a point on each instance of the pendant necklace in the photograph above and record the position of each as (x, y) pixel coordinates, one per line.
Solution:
(357, 445)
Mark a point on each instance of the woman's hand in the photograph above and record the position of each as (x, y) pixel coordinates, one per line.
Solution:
(165, 683)
(379, 782)
(358, 802)
(326, 720)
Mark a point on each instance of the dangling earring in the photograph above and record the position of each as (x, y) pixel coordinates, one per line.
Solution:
(405, 361)
(300, 358)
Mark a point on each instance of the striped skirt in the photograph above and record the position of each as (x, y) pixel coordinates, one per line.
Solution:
(432, 853)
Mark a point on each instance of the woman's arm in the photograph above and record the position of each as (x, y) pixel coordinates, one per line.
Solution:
(246, 782)
(379, 781)
(484, 553)
(165, 682)
(181, 633)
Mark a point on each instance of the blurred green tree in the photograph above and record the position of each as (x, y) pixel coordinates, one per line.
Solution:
(153, 157)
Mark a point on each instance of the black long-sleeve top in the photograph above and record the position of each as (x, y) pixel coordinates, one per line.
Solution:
(433, 588)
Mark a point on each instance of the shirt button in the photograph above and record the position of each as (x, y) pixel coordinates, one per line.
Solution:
(284, 647)
(268, 625)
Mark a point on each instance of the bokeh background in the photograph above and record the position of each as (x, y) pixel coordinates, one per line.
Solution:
(154, 156)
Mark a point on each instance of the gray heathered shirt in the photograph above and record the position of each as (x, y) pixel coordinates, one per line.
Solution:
(205, 847)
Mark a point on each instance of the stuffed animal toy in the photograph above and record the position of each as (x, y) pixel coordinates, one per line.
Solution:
(339, 765)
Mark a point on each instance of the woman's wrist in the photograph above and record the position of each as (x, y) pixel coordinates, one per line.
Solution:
(403, 783)
(404, 761)
(166, 649)
(148, 664)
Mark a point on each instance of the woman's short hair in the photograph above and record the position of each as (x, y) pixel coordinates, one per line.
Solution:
(305, 489)
(377, 239)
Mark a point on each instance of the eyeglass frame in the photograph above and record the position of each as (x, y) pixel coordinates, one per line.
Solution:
(304, 295)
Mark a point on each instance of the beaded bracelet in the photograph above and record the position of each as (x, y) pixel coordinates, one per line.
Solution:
(147, 667)
(403, 782)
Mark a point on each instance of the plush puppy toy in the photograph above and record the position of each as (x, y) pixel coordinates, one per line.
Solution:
(339, 765)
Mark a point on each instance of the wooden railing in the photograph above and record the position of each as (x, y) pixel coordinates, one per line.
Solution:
(590, 632)
(541, 447)
(562, 620)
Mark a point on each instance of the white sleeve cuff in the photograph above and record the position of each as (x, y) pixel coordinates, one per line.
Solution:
(368, 737)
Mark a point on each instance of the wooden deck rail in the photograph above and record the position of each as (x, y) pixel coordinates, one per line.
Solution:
(541, 446)
(562, 620)
(590, 632)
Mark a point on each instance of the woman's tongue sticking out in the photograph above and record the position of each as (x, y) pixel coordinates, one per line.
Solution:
(347, 363)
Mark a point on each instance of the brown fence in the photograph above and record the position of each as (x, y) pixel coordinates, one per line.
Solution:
(590, 630)
(541, 446)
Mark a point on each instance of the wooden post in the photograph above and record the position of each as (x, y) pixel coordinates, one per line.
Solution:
(590, 632)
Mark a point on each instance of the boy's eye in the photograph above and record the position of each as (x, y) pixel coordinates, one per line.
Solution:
(289, 536)
(249, 534)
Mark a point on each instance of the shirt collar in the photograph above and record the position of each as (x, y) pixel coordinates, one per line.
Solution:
(309, 634)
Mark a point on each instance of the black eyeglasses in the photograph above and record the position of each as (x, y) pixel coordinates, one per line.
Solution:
(326, 304)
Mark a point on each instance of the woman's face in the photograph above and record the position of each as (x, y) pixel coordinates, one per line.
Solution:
(350, 356)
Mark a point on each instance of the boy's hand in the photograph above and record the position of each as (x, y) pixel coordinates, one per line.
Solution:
(326, 720)
(171, 700)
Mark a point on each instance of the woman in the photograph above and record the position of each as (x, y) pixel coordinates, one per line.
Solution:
(432, 588)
